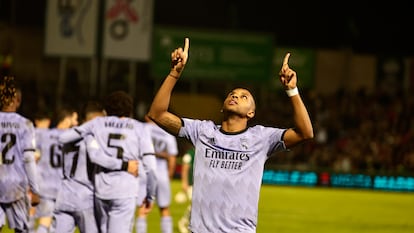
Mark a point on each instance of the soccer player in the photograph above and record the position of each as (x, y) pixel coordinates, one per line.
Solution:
(120, 136)
(166, 150)
(42, 122)
(230, 157)
(19, 178)
(50, 166)
(74, 205)
(75, 200)
(187, 187)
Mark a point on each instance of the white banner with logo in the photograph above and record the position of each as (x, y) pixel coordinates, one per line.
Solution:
(128, 29)
(71, 27)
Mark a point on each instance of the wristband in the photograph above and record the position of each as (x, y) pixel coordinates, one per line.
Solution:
(292, 92)
(124, 166)
(150, 198)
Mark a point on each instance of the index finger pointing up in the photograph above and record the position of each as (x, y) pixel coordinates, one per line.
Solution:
(286, 59)
(186, 45)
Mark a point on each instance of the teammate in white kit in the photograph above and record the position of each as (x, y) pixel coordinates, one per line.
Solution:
(229, 158)
(75, 200)
(42, 122)
(118, 136)
(166, 150)
(50, 166)
(18, 171)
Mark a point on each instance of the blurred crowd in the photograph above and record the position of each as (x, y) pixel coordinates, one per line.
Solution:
(355, 132)
(370, 132)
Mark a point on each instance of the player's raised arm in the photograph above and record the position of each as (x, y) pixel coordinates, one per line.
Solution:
(303, 127)
(159, 108)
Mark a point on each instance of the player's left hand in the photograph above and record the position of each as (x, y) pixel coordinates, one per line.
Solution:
(34, 198)
(287, 76)
(148, 205)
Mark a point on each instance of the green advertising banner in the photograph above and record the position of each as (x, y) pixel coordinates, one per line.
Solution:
(215, 54)
(302, 60)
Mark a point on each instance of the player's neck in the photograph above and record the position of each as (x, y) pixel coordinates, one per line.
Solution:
(234, 124)
(9, 108)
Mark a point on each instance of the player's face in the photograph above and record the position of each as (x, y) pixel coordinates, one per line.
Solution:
(74, 119)
(17, 99)
(240, 101)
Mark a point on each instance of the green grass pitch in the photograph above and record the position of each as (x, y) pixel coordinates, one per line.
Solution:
(288, 209)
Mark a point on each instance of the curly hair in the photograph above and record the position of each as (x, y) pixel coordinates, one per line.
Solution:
(8, 90)
(119, 103)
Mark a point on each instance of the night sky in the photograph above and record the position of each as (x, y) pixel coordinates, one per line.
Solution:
(366, 27)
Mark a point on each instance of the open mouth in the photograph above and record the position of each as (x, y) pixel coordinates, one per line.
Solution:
(232, 102)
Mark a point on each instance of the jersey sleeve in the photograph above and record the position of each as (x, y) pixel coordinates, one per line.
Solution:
(275, 138)
(189, 130)
(146, 144)
(77, 133)
(172, 146)
(29, 140)
(31, 171)
(70, 135)
(149, 162)
(99, 157)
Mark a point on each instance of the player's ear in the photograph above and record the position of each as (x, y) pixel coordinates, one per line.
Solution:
(251, 114)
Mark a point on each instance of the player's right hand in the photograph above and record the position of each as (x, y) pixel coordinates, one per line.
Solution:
(179, 58)
(133, 167)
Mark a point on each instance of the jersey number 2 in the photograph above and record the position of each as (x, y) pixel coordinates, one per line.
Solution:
(9, 140)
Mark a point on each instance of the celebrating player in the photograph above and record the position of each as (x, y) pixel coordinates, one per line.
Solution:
(229, 158)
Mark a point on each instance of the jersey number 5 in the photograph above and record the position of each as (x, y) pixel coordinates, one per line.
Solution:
(119, 150)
